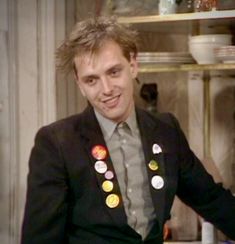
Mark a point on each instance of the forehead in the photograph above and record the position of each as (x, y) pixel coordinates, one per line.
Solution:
(110, 52)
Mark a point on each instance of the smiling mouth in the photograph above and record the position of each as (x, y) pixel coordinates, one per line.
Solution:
(112, 101)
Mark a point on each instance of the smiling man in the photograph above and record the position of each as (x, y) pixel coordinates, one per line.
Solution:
(106, 80)
(110, 174)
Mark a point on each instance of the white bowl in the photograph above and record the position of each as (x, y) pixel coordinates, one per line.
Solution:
(218, 38)
(202, 47)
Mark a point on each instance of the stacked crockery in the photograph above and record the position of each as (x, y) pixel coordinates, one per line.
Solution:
(165, 57)
(202, 46)
(225, 54)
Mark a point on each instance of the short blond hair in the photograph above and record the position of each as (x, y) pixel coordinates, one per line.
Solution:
(90, 34)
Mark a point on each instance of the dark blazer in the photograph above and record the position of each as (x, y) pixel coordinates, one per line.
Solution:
(65, 201)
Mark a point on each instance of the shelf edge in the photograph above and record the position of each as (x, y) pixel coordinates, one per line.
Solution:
(214, 14)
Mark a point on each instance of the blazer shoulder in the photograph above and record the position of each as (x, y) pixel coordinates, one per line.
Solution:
(164, 119)
(65, 123)
(168, 118)
(64, 128)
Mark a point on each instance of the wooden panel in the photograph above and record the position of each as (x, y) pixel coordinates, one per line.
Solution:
(46, 61)
(183, 223)
(3, 14)
(4, 140)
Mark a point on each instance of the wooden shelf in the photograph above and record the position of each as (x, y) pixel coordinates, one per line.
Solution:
(156, 68)
(223, 21)
(223, 14)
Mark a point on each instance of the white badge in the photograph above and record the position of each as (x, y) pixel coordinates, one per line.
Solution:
(101, 167)
(157, 182)
(156, 149)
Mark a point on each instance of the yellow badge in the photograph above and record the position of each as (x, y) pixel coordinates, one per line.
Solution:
(107, 186)
(112, 200)
(153, 165)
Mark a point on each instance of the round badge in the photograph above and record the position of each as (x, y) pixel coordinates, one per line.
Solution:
(101, 167)
(109, 175)
(99, 152)
(107, 186)
(153, 165)
(156, 148)
(157, 182)
(112, 200)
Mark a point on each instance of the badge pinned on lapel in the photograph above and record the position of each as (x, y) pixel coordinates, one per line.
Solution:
(101, 167)
(157, 182)
(112, 200)
(153, 165)
(107, 186)
(99, 152)
(156, 149)
(109, 175)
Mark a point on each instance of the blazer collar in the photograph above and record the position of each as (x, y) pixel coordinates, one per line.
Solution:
(152, 135)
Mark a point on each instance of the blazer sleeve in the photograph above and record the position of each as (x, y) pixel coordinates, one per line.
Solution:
(197, 189)
(46, 200)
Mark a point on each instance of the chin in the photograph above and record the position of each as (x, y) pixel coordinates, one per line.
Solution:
(113, 116)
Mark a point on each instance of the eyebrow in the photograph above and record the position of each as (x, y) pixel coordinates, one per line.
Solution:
(116, 66)
(110, 69)
(87, 77)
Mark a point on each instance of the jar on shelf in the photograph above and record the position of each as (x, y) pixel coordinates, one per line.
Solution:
(205, 5)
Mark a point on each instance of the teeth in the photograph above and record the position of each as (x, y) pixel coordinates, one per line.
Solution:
(112, 101)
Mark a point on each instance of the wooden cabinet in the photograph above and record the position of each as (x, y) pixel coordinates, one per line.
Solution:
(188, 23)
(185, 25)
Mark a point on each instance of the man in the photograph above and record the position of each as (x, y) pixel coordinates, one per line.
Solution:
(110, 174)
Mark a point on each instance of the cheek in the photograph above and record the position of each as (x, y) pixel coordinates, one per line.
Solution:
(90, 93)
(82, 90)
(81, 87)
(128, 87)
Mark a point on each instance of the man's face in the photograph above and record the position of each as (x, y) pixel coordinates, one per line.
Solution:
(106, 80)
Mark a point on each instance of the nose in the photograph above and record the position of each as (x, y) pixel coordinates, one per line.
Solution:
(106, 85)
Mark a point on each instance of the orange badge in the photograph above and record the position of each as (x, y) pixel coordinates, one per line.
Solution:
(99, 152)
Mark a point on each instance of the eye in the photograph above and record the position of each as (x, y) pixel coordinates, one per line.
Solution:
(115, 72)
(90, 81)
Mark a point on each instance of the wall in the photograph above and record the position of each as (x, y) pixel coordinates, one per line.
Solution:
(5, 183)
(27, 98)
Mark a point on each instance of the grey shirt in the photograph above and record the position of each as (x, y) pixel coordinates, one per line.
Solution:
(125, 148)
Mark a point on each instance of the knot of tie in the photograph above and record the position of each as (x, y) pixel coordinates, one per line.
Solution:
(122, 128)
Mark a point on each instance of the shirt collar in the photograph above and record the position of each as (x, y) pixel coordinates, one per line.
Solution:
(108, 126)
(132, 122)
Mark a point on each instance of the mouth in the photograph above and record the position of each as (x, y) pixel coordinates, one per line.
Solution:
(111, 102)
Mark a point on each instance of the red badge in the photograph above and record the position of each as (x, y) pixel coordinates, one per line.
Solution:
(99, 152)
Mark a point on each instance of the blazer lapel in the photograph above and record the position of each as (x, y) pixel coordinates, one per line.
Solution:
(154, 155)
(96, 147)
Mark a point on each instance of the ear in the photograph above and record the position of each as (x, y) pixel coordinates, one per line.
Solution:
(133, 67)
